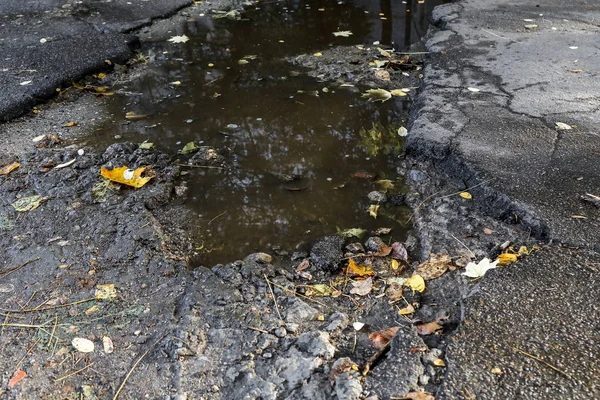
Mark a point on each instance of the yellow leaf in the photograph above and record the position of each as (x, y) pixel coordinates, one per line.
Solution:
(465, 195)
(321, 290)
(356, 270)
(128, 176)
(373, 209)
(8, 168)
(70, 124)
(507, 258)
(525, 250)
(242, 62)
(435, 267)
(394, 265)
(133, 116)
(409, 309)
(438, 362)
(101, 75)
(318, 54)
(416, 283)
(398, 93)
(29, 203)
(106, 292)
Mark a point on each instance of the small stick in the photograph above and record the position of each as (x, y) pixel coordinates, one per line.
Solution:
(298, 294)
(52, 333)
(257, 329)
(135, 364)
(464, 245)
(274, 298)
(223, 213)
(73, 373)
(4, 274)
(25, 355)
(375, 358)
(47, 308)
(544, 362)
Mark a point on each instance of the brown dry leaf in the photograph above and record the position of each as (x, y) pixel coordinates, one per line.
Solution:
(364, 175)
(16, 378)
(434, 267)
(507, 259)
(362, 288)
(382, 75)
(429, 328)
(7, 169)
(380, 338)
(305, 264)
(384, 250)
(355, 270)
(394, 291)
(419, 396)
(487, 231)
(128, 176)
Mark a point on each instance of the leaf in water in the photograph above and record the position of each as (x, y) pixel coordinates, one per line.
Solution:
(83, 345)
(128, 176)
(106, 292)
(465, 195)
(380, 338)
(561, 126)
(189, 148)
(353, 232)
(383, 231)
(233, 15)
(243, 62)
(373, 209)
(416, 283)
(16, 378)
(362, 288)
(7, 169)
(398, 93)
(175, 83)
(355, 270)
(385, 184)
(384, 53)
(133, 116)
(377, 95)
(435, 267)
(342, 33)
(318, 54)
(179, 39)
(478, 270)
(29, 203)
(146, 145)
(507, 258)
(428, 328)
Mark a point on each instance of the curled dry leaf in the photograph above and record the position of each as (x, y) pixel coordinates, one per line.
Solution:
(429, 328)
(305, 264)
(466, 195)
(16, 378)
(507, 258)
(380, 338)
(394, 291)
(435, 267)
(438, 362)
(355, 270)
(128, 176)
(7, 169)
(416, 283)
(362, 288)
(383, 251)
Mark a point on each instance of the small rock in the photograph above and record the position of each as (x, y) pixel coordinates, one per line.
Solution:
(291, 327)
(377, 197)
(396, 199)
(339, 321)
(299, 312)
(280, 332)
(327, 252)
(374, 243)
(416, 175)
(355, 248)
(347, 379)
(298, 255)
(263, 258)
(180, 191)
(316, 344)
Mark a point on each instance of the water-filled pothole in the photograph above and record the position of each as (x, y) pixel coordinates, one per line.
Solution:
(295, 149)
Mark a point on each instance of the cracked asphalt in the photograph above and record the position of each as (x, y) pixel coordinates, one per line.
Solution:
(503, 78)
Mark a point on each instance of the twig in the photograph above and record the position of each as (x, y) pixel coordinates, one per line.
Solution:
(47, 308)
(298, 294)
(4, 274)
(135, 364)
(25, 355)
(52, 333)
(492, 33)
(223, 213)
(274, 298)
(543, 362)
(257, 329)
(73, 373)
(375, 358)
(464, 245)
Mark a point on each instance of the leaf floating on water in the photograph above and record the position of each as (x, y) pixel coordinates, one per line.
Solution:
(83, 345)
(362, 288)
(377, 95)
(380, 338)
(133, 116)
(353, 232)
(373, 209)
(7, 169)
(478, 270)
(507, 259)
(128, 176)
(29, 203)
(354, 270)
(385, 184)
(435, 267)
(146, 145)
(243, 62)
(175, 83)
(561, 126)
(398, 93)
(179, 39)
(342, 33)
(465, 195)
(233, 15)
(416, 283)
(189, 148)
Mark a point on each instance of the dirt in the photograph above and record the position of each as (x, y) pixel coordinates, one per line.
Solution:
(249, 329)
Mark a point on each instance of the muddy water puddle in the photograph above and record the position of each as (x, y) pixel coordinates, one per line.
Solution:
(295, 151)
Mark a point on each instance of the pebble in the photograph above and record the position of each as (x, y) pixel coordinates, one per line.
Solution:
(377, 197)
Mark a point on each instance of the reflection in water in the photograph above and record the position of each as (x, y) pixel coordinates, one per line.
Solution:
(292, 143)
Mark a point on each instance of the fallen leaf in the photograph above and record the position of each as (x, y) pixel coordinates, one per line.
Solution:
(382, 231)
(106, 292)
(496, 371)
(409, 309)
(362, 288)
(108, 345)
(342, 33)
(146, 145)
(133, 116)
(399, 251)
(416, 283)
(384, 250)
(353, 232)
(233, 15)
(382, 75)
(487, 231)
(531, 26)
(385, 184)
(438, 362)
(189, 147)
(428, 328)
(576, 71)
(473, 89)
(398, 93)
(128, 176)
(318, 54)
(394, 265)
(380, 338)
(561, 126)
(465, 195)
(70, 124)
(29, 203)
(419, 396)
(384, 53)
(66, 164)
(179, 39)
(364, 175)
(25, 83)
(175, 83)
(525, 250)
(16, 378)
(478, 270)
(394, 291)
(435, 267)
(83, 345)
(91, 310)
(7, 169)
(507, 258)
(357, 326)
(373, 209)
(243, 62)
(377, 95)
(355, 270)
(304, 265)
(321, 290)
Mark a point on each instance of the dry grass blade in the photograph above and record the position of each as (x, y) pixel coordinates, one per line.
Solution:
(73, 373)
(4, 274)
(30, 310)
(544, 362)
(273, 294)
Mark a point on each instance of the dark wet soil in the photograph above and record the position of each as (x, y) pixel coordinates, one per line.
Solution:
(289, 145)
